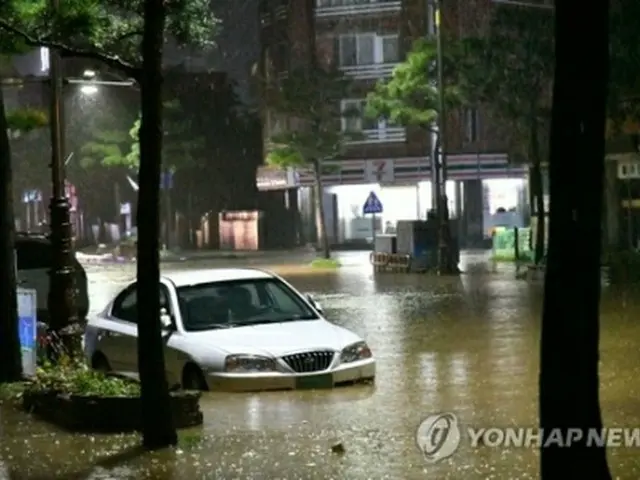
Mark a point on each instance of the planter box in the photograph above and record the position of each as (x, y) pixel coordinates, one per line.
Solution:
(93, 414)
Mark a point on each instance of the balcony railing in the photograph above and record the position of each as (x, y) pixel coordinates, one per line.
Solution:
(381, 135)
(372, 71)
(331, 8)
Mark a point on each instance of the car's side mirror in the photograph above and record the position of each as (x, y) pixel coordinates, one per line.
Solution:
(165, 320)
(315, 304)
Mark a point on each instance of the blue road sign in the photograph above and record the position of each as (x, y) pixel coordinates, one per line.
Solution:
(372, 205)
(28, 329)
(166, 180)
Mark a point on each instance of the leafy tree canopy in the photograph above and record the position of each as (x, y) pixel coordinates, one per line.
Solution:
(121, 148)
(27, 119)
(411, 95)
(310, 100)
(106, 30)
(180, 147)
(511, 68)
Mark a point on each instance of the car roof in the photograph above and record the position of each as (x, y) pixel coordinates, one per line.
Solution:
(195, 277)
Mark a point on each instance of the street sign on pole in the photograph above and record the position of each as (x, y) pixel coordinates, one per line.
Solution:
(28, 329)
(372, 205)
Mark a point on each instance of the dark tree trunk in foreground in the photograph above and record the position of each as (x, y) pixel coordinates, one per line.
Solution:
(569, 384)
(537, 184)
(321, 222)
(10, 356)
(158, 430)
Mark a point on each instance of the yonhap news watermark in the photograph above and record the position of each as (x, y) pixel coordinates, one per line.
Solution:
(439, 436)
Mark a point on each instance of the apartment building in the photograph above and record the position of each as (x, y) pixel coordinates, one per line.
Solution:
(367, 39)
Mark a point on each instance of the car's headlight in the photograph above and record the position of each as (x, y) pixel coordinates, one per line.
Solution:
(249, 364)
(357, 351)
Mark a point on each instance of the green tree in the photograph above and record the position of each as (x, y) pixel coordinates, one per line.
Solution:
(509, 72)
(569, 345)
(411, 97)
(128, 37)
(308, 99)
(12, 124)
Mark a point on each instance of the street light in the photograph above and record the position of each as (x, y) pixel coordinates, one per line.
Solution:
(88, 89)
(61, 303)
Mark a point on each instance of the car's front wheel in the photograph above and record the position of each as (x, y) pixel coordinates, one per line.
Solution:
(100, 363)
(193, 378)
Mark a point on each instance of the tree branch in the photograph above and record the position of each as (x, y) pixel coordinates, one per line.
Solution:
(111, 60)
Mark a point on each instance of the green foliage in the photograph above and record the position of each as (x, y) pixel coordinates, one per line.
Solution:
(180, 146)
(325, 263)
(105, 148)
(411, 95)
(70, 377)
(106, 30)
(74, 377)
(310, 100)
(511, 69)
(27, 119)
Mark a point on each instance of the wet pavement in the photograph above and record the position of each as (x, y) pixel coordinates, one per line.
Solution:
(467, 345)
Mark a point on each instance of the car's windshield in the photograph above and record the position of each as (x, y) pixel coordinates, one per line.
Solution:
(239, 303)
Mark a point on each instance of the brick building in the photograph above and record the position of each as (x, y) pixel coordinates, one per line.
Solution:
(367, 39)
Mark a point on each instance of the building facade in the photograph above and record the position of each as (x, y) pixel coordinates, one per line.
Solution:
(367, 39)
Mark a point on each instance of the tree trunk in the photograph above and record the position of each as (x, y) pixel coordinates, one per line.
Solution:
(537, 185)
(158, 430)
(10, 356)
(323, 238)
(569, 351)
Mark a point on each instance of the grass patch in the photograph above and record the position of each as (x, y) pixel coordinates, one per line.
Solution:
(326, 263)
(500, 257)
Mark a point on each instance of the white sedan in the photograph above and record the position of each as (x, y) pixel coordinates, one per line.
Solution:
(232, 329)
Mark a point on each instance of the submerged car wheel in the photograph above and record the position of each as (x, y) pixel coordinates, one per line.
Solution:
(193, 378)
(100, 363)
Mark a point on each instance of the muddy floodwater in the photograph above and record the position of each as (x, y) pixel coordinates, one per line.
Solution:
(467, 345)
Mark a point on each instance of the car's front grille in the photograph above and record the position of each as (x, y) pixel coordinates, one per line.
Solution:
(309, 361)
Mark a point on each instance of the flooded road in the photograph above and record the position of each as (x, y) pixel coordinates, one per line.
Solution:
(467, 345)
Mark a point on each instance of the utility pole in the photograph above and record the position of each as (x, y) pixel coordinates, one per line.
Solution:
(445, 255)
(61, 301)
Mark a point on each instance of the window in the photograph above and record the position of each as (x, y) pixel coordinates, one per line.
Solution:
(471, 122)
(282, 297)
(125, 306)
(390, 49)
(239, 303)
(367, 49)
(33, 255)
(353, 118)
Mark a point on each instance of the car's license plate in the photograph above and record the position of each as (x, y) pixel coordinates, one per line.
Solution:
(315, 381)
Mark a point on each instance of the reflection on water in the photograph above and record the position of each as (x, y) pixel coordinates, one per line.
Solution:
(467, 345)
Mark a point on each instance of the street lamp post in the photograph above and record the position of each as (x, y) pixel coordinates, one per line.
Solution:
(61, 303)
(445, 257)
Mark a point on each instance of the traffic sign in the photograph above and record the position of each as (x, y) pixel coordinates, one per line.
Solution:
(372, 205)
